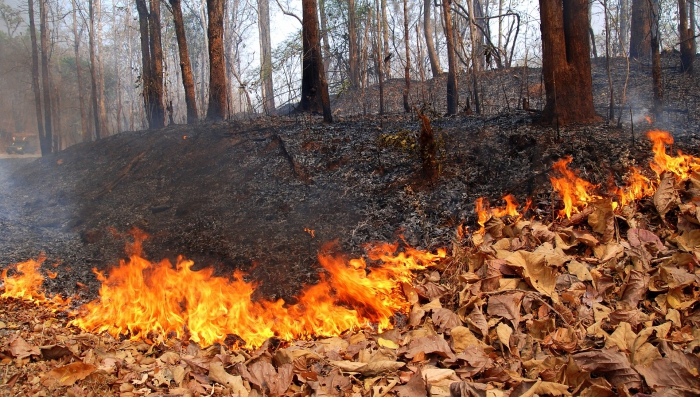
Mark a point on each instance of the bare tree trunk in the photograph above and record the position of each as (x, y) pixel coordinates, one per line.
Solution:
(407, 67)
(476, 59)
(56, 119)
(640, 44)
(429, 44)
(385, 35)
(379, 57)
(594, 49)
(100, 72)
(218, 101)
(353, 65)
(185, 66)
(115, 26)
(624, 23)
(45, 77)
(93, 73)
(452, 93)
(324, 36)
(686, 35)
(35, 78)
(79, 76)
(156, 48)
(566, 62)
(314, 88)
(268, 94)
(611, 91)
(654, 14)
(691, 11)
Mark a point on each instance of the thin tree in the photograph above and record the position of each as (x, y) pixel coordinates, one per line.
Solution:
(35, 78)
(268, 94)
(45, 78)
(654, 15)
(79, 76)
(93, 72)
(429, 43)
(379, 59)
(566, 62)
(353, 61)
(314, 88)
(624, 9)
(156, 49)
(452, 93)
(407, 67)
(185, 65)
(686, 36)
(218, 101)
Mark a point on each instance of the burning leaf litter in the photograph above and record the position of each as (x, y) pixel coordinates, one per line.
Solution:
(519, 308)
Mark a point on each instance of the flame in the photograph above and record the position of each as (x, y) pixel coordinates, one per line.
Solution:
(26, 282)
(574, 191)
(637, 186)
(681, 166)
(485, 212)
(648, 119)
(140, 297)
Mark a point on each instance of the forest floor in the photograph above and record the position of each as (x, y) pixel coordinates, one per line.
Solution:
(265, 195)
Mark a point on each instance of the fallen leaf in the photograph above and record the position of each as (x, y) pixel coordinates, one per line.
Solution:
(506, 305)
(433, 344)
(504, 332)
(535, 271)
(611, 364)
(666, 197)
(461, 337)
(445, 319)
(19, 348)
(67, 375)
(218, 374)
(374, 368)
(666, 372)
(415, 387)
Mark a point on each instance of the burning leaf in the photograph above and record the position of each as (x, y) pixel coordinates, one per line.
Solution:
(67, 375)
(218, 374)
(535, 271)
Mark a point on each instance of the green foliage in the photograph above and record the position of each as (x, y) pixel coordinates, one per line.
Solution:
(403, 140)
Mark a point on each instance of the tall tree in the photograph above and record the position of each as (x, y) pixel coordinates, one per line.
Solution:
(429, 43)
(686, 36)
(385, 41)
(654, 16)
(407, 66)
(185, 65)
(35, 77)
(566, 62)
(353, 61)
(152, 84)
(452, 93)
(46, 77)
(93, 72)
(218, 100)
(79, 75)
(268, 94)
(156, 48)
(640, 38)
(624, 10)
(314, 88)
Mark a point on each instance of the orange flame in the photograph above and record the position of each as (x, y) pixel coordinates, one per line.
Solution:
(485, 212)
(140, 297)
(637, 186)
(648, 119)
(681, 166)
(26, 282)
(574, 191)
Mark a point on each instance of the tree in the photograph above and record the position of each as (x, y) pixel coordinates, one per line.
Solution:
(353, 61)
(686, 37)
(45, 78)
(35, 78)
(452, 93)
(185, 66)
(93, 71)
(314, 88)
(407, 67)
(429, 44)
(152, 84)
(640, 38)
(79, 74)
(268, 94)
(566, 62)
(218, 99)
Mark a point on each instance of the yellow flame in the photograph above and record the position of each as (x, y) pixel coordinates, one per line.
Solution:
(575, 192)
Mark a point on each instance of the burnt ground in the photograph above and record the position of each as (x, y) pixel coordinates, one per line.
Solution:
(240, 194)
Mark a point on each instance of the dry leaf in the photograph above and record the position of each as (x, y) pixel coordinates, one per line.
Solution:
(506, 305)
(666, 197)
(611, 364)
(534, 270)
(445, 319)
(67, 375)
(504, 332)
(20, 348)
(217, 373)
(415, 387)
(666, 372)
(461, 338)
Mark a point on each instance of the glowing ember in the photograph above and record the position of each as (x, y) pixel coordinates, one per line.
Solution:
(681, 166)
(140, 297)
(574, 191)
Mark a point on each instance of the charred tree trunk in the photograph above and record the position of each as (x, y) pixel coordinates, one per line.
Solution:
(156, 48)
(185, 66)
(93, 73)
(46, 78)
(686, 35)
(79, 74)
(268, 95)
(146, 60)
(35, 77)
(566, 62)
(429, 43)
(314, 88)
(218, 103)
(353, 64)
(452, 94)
(640, 38)
(407, 67)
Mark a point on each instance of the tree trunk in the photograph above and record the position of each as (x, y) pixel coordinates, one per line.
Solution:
(268, 94)
(429, 44)
(385, 35)
(353, 65)
(566, 62)
(407, 68)
(314, 88)
(476, 59)
(691, 12)
(624, 23)
(185, 66)
(686, 36)
(378, 56)
(594, 49)
(654, 11)
(93, 73)
(146, 61)
(156, 48)
(640, 44)
(79, 76)
(452, 93)
(218, 103)
(100, 72)
(324, 36)
(35, 78)
(45, 78)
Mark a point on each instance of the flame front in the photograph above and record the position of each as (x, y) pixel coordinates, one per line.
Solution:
(574, 191)
(681, 166)
(26, 284)
(140, 297)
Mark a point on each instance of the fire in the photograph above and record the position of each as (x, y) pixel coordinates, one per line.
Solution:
(681, 166)
(574, 191)
(648, 119)
(140, 297)
(485, 212)
(638, 186)
(27, 281)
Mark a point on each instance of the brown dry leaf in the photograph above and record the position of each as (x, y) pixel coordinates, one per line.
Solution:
(374, 368)
(506, 305)
(602, 220)
(503, 331)
(415, 387)
(612, 364)
(534, 270)
(471, 362)
(579, 270)
(335, 384)
(266, 379)
(542, 388)
(564, 339)
(623, 338)
(461, 338)
(666, 197)
(19, 348)
(469, 389)
(433, 344)
(689, 241)
(643, 237)
(67, 375)
(217, 373)
(636, 288)
(445, 319)
(477, 320)
(666, 372)
(54, 352)
(431, 291)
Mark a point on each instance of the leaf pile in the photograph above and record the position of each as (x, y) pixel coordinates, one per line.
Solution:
(603, 304)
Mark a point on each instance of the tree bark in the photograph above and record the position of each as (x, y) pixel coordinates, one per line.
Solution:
(156, 48)
(378, 56)
(35, 77)
(268, 94)
(640, 38)
(93, 73)
(353, 64)
(407, 67)
(100, 72)
(218, 104)
(429, 44)
(566, 62)
(385, 35)
(654, 11)
(324, 36)
(79, 75)
(624, 23)
(185, 65)
(686, 36)
(46, 78)
(146, 64)
(314, 88)
(452, 93)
